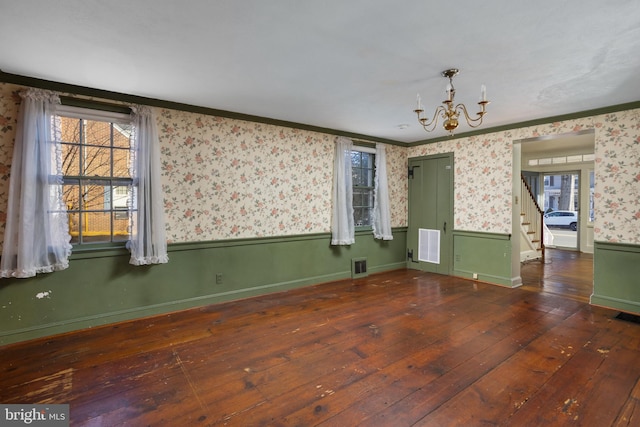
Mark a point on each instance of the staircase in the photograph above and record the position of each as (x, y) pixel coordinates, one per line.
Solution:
(532, 228)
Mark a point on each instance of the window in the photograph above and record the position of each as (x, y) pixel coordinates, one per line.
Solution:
(362, 172)
(97, 182)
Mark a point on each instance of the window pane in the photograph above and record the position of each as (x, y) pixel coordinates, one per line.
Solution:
(121, 163)
(357, 177)
(362, 206)
(366, 218)
(71, 195)
(368, 177)
(96, 227)
(365, 176)
(362, 216)
(355, 159)
(70, 159)
(357, 217)
(120, 197)
(366, 160)
(107, 197)
(97, 133)
(364, 197)
(120, 226)
(362, 180)
(97, 161)
(369, 198)
(122, 135)
(357, 198)
(93, 197)
(70, 130)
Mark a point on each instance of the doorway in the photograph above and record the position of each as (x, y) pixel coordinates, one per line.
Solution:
(570, 257)
(430, 232)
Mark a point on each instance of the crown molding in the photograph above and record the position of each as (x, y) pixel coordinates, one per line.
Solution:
(153, 102)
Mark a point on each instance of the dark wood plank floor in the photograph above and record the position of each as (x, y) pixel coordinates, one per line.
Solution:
(396, 349)
(567, 273)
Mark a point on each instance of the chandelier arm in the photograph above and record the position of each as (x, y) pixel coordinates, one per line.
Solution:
(473, 123)
(434, 121)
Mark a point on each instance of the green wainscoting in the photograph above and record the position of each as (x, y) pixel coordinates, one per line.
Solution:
(101, 287)
(486, 254)
(616, 276)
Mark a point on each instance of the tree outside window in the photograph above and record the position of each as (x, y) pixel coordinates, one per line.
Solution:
(97, 179)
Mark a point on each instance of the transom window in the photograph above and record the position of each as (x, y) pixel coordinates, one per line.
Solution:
(362, 172)
(97, 183)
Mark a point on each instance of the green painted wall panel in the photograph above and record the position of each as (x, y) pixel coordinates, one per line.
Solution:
(616, 276)
(486, 254)
(101, 287)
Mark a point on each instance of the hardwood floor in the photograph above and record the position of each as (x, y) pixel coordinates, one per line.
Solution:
(402, 348)
(568, 273)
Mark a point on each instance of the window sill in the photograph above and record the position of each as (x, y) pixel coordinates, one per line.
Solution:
(98, 250)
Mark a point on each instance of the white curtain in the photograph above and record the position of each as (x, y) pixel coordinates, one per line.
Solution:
(342, 228)
(36, 238)
(381, 210)
(148, 244)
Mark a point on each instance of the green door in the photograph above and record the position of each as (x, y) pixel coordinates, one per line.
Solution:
(430, 238)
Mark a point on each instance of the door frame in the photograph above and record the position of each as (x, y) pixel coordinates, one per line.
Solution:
(585, 228)
(451, 218)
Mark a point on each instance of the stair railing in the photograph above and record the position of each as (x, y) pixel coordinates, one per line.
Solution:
(532, 215)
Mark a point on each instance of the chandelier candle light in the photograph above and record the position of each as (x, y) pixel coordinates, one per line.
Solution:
(449, 112)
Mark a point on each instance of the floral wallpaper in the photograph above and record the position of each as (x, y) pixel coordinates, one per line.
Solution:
(483, 169)
(397, 165)
(224, 178)
(9, 103)
(617, 170)
(482, 180)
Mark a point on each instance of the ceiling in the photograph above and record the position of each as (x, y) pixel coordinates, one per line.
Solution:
(353, 66)
(578, 143)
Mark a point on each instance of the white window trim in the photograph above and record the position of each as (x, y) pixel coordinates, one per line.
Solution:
(363, 149)
(89, 114)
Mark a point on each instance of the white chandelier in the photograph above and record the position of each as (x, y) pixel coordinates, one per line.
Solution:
(448, 111)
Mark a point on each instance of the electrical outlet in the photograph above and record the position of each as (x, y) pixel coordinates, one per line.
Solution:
(218, 278)
(475, 275)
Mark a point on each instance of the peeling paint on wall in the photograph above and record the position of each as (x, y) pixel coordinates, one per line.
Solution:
(45, 294)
